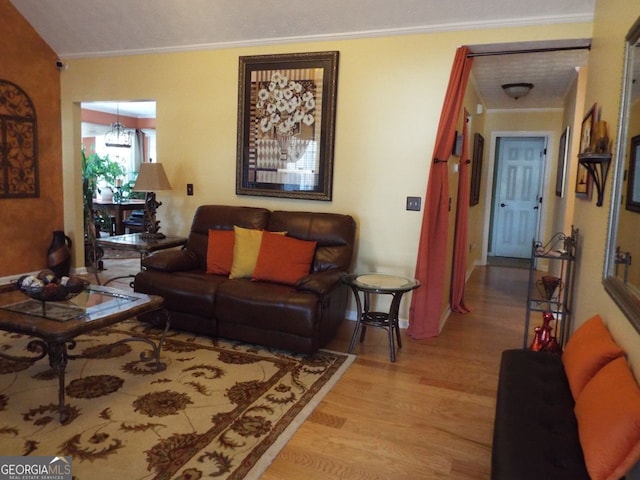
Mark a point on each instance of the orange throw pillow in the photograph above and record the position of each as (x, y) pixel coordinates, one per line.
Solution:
(220, 251)
(283, 259)
(589, 349)
(608, 414)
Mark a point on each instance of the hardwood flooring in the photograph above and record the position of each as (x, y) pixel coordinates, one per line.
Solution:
(427, 416)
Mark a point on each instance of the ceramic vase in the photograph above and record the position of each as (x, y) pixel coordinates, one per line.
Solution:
(59, 254)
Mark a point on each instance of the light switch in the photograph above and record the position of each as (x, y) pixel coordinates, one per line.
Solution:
(413, 203)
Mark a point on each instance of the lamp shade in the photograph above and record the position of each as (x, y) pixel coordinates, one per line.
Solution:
(151, 178)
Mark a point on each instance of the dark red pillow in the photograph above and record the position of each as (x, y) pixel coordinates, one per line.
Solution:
(283, 259)
(220, 251)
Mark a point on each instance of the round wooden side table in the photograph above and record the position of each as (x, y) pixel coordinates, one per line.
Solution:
(382, 284)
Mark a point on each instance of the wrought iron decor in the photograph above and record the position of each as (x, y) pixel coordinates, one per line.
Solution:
(18, 143)
(286, 125)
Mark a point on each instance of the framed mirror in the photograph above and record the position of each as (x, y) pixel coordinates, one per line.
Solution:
(622, 262)
(633, 176)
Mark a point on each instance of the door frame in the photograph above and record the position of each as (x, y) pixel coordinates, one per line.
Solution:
(545, 182)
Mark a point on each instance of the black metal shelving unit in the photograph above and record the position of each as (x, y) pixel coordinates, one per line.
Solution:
(560, 248)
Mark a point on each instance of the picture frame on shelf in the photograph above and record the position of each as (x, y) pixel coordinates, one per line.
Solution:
(286, 125)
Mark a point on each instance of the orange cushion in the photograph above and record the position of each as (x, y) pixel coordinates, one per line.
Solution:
(589, 349)
(246, 248)
(283, 259)
(220, 251)
(608, 414)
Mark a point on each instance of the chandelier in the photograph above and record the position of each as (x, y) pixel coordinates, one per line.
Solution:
(118, 136)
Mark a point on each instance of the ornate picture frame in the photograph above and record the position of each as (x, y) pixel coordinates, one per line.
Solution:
(476, 169)
(19, 175)
(286, 125)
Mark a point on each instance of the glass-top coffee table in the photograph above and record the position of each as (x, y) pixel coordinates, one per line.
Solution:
(138, 242)
(55, 325)
(384, 284)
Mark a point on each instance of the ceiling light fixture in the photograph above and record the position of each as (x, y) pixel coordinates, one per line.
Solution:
(118, 136)
(517, 90)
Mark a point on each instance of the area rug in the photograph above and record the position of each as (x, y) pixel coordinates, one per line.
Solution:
(219, 410)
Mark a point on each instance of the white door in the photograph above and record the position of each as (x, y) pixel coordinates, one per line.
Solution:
(516, 205)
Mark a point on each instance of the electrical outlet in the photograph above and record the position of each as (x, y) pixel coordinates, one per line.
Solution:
(414, 203)
(189, 188)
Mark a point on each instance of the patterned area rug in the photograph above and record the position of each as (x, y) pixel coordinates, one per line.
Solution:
(219, 410)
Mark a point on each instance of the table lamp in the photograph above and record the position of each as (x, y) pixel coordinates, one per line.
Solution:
(151, 178)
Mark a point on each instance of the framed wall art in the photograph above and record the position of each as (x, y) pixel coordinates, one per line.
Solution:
(19, 176)
(562, 162)
(476, 169)
(286, 125)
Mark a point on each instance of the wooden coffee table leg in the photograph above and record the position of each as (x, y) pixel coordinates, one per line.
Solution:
(58, 360)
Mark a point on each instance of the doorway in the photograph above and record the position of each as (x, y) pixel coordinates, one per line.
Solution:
(515, 214)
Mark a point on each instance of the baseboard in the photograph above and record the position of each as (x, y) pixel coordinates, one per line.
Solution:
(14, 278)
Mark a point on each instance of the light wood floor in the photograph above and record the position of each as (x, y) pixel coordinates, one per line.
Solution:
(427, 416)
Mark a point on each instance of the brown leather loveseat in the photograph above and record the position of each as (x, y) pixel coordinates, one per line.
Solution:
(300, 318)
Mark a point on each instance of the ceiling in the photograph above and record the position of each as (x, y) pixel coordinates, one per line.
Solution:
(81, 28)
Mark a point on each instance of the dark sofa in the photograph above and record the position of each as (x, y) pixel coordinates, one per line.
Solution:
(535, 432)
(300, 318)
(572, 416)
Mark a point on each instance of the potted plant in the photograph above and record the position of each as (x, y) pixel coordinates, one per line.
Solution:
(94, 170)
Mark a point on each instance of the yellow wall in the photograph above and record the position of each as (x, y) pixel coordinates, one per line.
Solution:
(390, 93)
(613, 18)
(572, 117)
(476, 212)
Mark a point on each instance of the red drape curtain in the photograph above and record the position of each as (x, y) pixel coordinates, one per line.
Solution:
(426, 301)
(462, 223)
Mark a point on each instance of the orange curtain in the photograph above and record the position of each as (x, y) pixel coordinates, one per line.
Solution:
(426, 302)
(462, 223)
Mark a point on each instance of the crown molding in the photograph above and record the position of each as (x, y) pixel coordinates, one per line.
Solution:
(441, 28)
